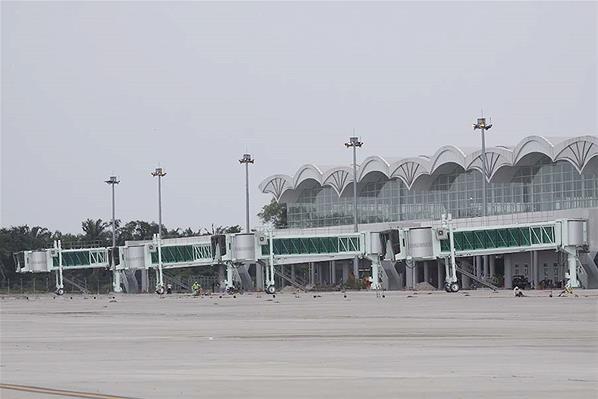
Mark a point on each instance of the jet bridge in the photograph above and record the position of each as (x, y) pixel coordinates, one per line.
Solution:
(424, 243)
(272, 248)
(58, 259)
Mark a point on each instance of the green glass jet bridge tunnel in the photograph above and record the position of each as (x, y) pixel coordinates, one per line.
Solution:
(280, 247)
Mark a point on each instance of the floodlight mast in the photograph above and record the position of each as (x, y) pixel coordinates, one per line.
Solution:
(159, 173)
(246, 160)
(113, 181)
(482, 125)
(355, 143)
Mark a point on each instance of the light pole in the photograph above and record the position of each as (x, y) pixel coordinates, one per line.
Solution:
(246, 160)
(113, 181)
(354, 143)
(159, 173)
(482, 125)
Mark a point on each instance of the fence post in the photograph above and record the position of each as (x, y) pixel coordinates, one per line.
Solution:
(21, 285)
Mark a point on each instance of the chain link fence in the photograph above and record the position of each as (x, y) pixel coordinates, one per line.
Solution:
(43, 284)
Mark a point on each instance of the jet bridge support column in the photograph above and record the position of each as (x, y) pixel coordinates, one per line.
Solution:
(409, 271)
(571, 252)
(229, 283)
(59, 279)
(375, 273)
(452, 284)
(270, 283)
(116, 283)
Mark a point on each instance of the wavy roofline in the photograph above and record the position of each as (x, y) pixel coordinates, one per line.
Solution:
(576, 150)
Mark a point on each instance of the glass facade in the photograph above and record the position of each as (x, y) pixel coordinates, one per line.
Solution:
(544, 186)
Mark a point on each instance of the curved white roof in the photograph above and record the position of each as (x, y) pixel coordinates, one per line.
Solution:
(576, 150)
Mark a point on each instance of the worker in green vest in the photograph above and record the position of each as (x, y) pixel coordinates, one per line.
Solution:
(196, 288)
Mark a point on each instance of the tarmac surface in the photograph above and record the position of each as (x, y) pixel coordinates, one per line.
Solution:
(475, 344)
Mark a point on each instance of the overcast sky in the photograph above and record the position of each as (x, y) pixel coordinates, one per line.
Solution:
(94, 89)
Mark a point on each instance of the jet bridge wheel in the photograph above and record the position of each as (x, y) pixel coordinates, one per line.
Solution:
(447, 287)
(60, 291)
(455, 287)
(271, 289)
(160, 290)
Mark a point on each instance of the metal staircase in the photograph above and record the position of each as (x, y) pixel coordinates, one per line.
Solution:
(393, 277)
(171, 279)
(242, 271)
(295, 283)
(77, 284)
(582, 274)
(591, 269)
(476, 278)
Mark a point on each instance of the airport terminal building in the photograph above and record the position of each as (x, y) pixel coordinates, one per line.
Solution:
(535, 227)
(538, 180)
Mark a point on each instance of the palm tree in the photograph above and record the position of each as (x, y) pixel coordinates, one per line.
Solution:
(95, 230)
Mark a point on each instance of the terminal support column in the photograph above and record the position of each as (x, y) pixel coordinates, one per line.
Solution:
(536, 269)
(332, 272)
(508, 276)
(439, 277)
(465, 280)
(345, 272)
(259, 277)
(478, 266)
